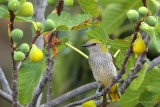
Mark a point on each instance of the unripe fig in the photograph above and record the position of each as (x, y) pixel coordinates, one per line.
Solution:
(24, 48)
(18, 56)
(35, 54)
(68, 2)
(49, 25)
(22, 1)
(51, 2)
(133, 15)
(138, 45)
(13, 5)
(16, 35)
(39, 25)
(143, 11)
(26, 9)
(150, 20)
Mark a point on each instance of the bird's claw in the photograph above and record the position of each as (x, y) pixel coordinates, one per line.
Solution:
(115, 78)
(98, 95)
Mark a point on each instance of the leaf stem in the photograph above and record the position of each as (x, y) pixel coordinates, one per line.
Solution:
(77, 50)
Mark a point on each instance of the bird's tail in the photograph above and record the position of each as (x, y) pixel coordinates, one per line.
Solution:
(113, 93)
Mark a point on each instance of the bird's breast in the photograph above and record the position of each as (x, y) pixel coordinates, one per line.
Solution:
(103, 68)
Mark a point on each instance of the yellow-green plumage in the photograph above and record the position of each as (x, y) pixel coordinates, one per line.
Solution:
(101, 63)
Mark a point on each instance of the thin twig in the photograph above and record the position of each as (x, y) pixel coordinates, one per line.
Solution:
(49, 72)
(14, 74)
(39, 89)
(4, 82)
(59, 8)
(7, 97)
(72, 94)
(144, 3)
(153, 63)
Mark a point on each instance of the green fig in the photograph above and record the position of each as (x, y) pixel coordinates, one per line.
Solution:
(24, 48)
(35, 54)
(143, 11)
(22, 1)
(17, 35)
(39, 25)
(133, 15)
(49, 25)
(13, 5)
(26, 10)
(151, 20)
(18, 56)
(51, 2)
(68, 3)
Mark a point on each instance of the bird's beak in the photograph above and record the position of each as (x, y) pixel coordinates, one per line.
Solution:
(88, 45)
(85, 45)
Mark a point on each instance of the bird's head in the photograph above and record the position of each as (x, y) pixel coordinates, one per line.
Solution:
(95, 45)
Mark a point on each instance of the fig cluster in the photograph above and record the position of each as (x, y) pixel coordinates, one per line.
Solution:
(142, 13)
(21, 7)
(19, 53)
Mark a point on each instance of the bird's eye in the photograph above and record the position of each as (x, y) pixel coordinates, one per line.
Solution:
(93, 44)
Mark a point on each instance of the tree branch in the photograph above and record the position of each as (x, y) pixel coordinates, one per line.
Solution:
(153, 63)
(14, 73)
(7, 97)
(39, 89)
(72, 94)
(4, 82)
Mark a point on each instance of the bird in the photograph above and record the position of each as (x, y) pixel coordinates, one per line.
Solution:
(103, 68)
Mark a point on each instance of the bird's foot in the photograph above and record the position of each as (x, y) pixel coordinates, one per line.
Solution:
(98, 95)
(115, 78)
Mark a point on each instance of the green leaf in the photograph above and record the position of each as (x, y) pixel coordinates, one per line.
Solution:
(62, 45)
(3, 11)
(115, 13)
(89, 7)
(138, 81)
(28, 77)
(147, 94)
(98, 33)
(122, 45)
(64, 22)
(153, 33)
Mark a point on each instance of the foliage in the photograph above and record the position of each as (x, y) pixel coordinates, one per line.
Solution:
(101, 22)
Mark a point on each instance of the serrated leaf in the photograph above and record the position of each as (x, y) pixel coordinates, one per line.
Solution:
(98, 33)
(138, 81)
(89, 7)
(28, 77)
